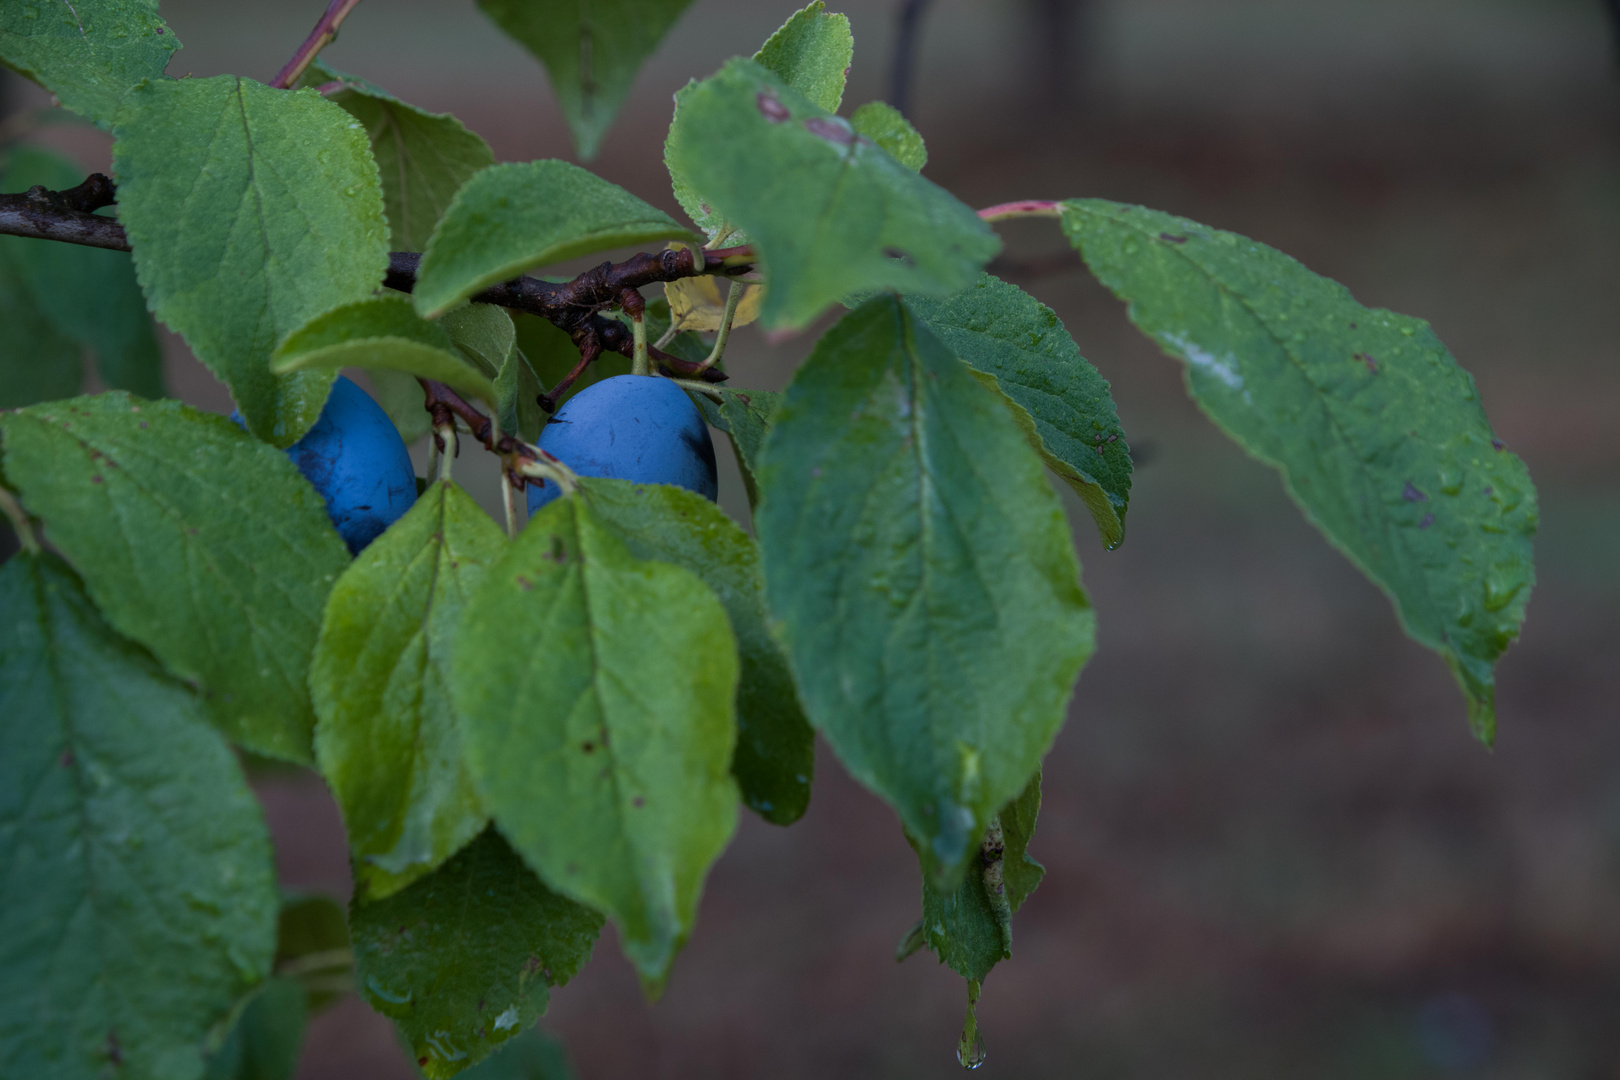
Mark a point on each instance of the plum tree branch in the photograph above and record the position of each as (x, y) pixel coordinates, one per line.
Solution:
(574, 307)
(324, 34)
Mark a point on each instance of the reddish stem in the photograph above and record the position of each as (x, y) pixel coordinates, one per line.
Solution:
(319, 38)
(1021, 209)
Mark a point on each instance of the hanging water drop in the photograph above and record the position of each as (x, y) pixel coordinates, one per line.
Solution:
(972, 1058)
(970, 1052)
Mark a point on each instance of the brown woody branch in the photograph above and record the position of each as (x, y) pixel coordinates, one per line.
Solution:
(574, 306)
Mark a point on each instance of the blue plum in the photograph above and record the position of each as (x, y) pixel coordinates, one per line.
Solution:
(631, 427)
(355, 458)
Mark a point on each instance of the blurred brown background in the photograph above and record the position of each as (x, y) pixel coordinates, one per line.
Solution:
(1273, 848)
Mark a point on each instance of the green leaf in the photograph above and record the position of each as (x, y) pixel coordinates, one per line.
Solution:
(519, 390)
(1058, 398)
(970, 928)
(138, 900)
(89, 297)
(775, 755)
(386, 734)
(533, 1055)
(745, 416)
(592, 50)
(199, 542)
(829, 211)
(599, 695)
(251, 211)
(922, 576)
(883, 124)
(424, 157)
(812, 52)
(267, 1037)
(89, 53)
(512, 218)
(484, 334)
(382, 333)
(1378, 432)
(464, 959)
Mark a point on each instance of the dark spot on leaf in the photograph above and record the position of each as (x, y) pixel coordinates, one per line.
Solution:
(524, 583)
(771, 109)
(1490, 491)
(1428, 519)
(638, 802)
(588, 747)
(1352, 326)
(1367, 358)
(901, 256)
(571, 868)
(830, 129)
(422, 1061)
(115, 1052)
(1498, 444)
(95, 479)
(531, 965)
(1172, 239)
(1412, 494)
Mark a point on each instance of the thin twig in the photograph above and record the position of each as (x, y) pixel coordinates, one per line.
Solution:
(1047, 208)
(907, 31)
(324, 34)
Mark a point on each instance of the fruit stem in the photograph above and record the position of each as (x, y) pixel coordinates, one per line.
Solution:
(19, 522)
(439, 464)
(639, 362)
(508, 490)
(732, 298)
(699, 388)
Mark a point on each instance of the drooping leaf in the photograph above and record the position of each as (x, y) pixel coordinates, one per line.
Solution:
(243, 236)
(883, 124)
(312, 936)
(386, 734)
(811, 52)
(592, 50)
(745, 416)
(138, 899)
(465, 958)
(533, 1055)
(686, 344)
(599, 696)
(970, 927)
(87, 52)
(519, 390)
(88, 296)
(267, 1037)
(424, 157)
(1377, 430)
(484, 334)
(381, 333)
(512, 218)
(829, 212)
(1063, 404)
(699, 303)
(921, 575)
(775, 755)
(201, 543)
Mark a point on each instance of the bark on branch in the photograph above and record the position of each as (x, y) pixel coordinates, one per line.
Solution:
(574, 306)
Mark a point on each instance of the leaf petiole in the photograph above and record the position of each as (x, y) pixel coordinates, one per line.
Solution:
(19, 522)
